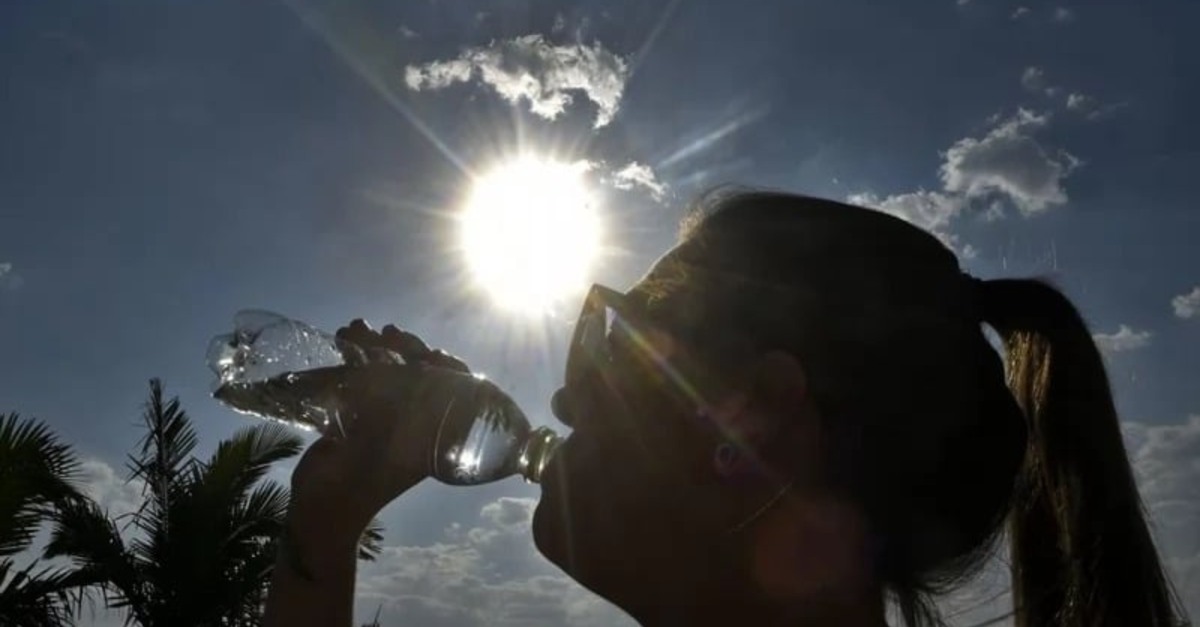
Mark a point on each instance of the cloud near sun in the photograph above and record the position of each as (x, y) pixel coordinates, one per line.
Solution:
(533, 70)
(1008, 164)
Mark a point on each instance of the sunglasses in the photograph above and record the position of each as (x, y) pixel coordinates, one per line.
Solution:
(609, 322)
(603, 309)
(606, 318)
(604, 312)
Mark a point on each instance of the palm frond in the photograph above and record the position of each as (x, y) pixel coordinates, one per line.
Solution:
(260, 515)
(165, 451)
(242, 460)
(19, 522)
(47, 597)
(210, 550)
(20, 437)
(247, 582)
(36, 473)
(371, 542)
(83, 533)
(203, 543)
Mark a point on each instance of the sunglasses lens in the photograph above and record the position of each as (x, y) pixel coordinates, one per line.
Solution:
(594, 335)
(589, 337)
(590, 343)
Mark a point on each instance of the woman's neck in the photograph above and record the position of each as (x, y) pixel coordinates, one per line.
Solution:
(804, 564)
(726, 611)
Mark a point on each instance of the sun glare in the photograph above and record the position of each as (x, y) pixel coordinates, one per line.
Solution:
(530, 232)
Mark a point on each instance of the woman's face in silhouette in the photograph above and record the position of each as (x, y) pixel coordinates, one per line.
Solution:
(630, 506)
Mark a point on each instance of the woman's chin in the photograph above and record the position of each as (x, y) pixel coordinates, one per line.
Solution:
(548, 527)
(553, 534)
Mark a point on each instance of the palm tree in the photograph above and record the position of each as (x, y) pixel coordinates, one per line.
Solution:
(375, 621)
(200, 549)
(36, 477)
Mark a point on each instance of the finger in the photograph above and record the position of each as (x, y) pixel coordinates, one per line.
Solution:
(357, 331)
(412, 348)
(379, 350)
(441, 359)
(354, 340)
(374, 348)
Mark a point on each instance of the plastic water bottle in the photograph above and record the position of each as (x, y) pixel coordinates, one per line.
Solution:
(284, 370)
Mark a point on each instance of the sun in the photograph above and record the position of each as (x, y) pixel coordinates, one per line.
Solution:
(530, 232)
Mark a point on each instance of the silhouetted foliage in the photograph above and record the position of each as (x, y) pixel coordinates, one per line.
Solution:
(37, 473)
(200, 548)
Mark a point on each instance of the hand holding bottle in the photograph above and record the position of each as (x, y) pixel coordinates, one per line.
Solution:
(378, 456)
(350, 473)
(391, 411)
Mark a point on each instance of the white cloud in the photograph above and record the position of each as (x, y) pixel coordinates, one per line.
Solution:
(533, 70)
(1020, 12)
(1007, 163)
(437, 74)
(638, 175)
(407, 32)
(111, 491)
(1166, 460)
(1033, 78)
(1080, 102)
(1125, 339)
(1010, 162)
(489, 574)
(1187, 305)
(1063, 15)
(1106, 111)
(507, 513)
(984, 598)
(1166, 463)
(1091, 108)
(928, 210)
(9, 279)
(932, 211)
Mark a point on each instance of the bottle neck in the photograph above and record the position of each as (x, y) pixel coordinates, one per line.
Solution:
(536, 454)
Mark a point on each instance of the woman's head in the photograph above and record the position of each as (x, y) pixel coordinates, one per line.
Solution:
(827, 352)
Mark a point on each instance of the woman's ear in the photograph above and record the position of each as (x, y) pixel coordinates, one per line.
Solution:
(782, 391)
(773, 403)
(780, 383)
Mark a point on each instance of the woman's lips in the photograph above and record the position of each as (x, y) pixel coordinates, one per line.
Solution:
(555, 466)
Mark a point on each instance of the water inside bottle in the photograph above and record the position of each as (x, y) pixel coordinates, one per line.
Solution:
(286, 371)
(484, 435)
(307, 399)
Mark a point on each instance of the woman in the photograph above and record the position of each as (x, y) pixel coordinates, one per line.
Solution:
(794, 417)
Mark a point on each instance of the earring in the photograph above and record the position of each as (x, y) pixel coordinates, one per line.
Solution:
(726, 459)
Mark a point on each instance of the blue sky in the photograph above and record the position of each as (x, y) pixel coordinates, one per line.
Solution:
(165, 163)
